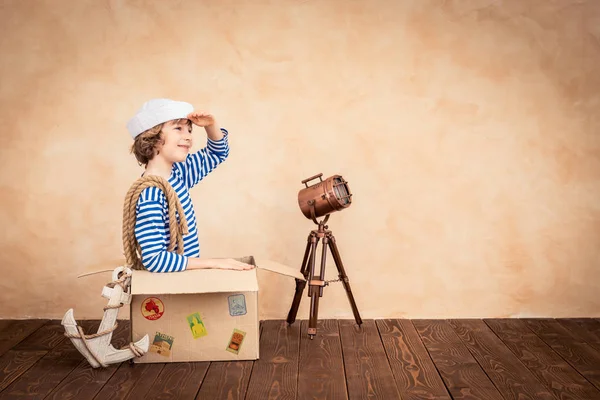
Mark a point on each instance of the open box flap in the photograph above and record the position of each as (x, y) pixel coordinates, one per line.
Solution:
(276, 267)
(193, 281)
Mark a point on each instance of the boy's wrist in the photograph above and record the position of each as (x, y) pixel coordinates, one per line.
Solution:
(214, 132)
(196, 263)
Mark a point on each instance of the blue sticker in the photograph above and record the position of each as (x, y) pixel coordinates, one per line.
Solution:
(237, 305)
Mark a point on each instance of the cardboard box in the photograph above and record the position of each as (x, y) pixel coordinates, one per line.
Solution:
(199, 315)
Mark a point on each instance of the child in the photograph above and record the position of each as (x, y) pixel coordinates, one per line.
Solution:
(162, 133)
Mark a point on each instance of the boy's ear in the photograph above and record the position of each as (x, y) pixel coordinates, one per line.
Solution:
(159, 145)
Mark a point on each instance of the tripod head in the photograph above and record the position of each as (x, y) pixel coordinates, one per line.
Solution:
(324, 197)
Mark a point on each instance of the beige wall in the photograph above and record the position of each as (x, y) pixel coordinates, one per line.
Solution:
(468, 131)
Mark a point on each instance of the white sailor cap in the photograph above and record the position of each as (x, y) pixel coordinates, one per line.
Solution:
(157, 111)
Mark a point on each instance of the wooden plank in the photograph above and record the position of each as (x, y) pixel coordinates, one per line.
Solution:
(38, 381)
(14, 363)
(415, 374)
(84, 382)
(581, 356)
(178, 381)
(461, 373)
(509, 375)
(558, 376)
(46, 337)
(130, 382)
(585, 329)
(275, 374)
(15, 331)
(26, 353)
(368, 372)
(321, 367)
(226, 380)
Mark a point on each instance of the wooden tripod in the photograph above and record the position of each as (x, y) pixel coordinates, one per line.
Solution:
(316, 282)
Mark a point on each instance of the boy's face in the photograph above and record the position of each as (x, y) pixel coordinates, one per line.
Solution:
(177, 137)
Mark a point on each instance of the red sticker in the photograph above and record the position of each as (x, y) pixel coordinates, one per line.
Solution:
(152, 308)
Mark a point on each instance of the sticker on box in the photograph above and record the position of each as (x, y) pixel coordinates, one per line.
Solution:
(196, 325)
(237, 305)
(152, 308)
(162, 344)
(235, 343)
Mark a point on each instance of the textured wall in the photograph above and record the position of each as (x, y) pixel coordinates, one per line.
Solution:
(468, 132)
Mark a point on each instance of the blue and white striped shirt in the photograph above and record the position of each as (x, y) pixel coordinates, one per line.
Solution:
(152, 216)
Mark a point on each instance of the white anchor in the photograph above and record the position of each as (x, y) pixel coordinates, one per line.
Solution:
(97, 347)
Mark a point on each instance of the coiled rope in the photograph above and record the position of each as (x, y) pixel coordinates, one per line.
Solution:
(177, 229)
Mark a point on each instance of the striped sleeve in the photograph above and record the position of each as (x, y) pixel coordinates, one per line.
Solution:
(152, 234)
(202, 162)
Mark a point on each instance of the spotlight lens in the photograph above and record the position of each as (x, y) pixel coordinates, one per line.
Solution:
(341, 191)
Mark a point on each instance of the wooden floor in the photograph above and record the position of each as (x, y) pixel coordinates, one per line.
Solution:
(385, 359)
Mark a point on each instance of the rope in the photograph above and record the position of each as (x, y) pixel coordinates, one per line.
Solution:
(176, 229)
(84, 338)
(85, 343)
(93, 335)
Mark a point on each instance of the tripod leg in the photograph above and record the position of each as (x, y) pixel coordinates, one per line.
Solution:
(300, 284)
(344, 277)
(316, 291)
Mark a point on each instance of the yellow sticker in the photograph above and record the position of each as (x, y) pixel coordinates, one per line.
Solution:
(196, 325)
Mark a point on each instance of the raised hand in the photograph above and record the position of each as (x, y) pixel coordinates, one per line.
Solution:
(201, 119)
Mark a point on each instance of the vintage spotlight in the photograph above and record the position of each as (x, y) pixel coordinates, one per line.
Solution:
(315, 201)
(324, 197)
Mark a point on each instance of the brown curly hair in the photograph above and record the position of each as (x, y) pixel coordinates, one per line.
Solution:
(145, 143)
